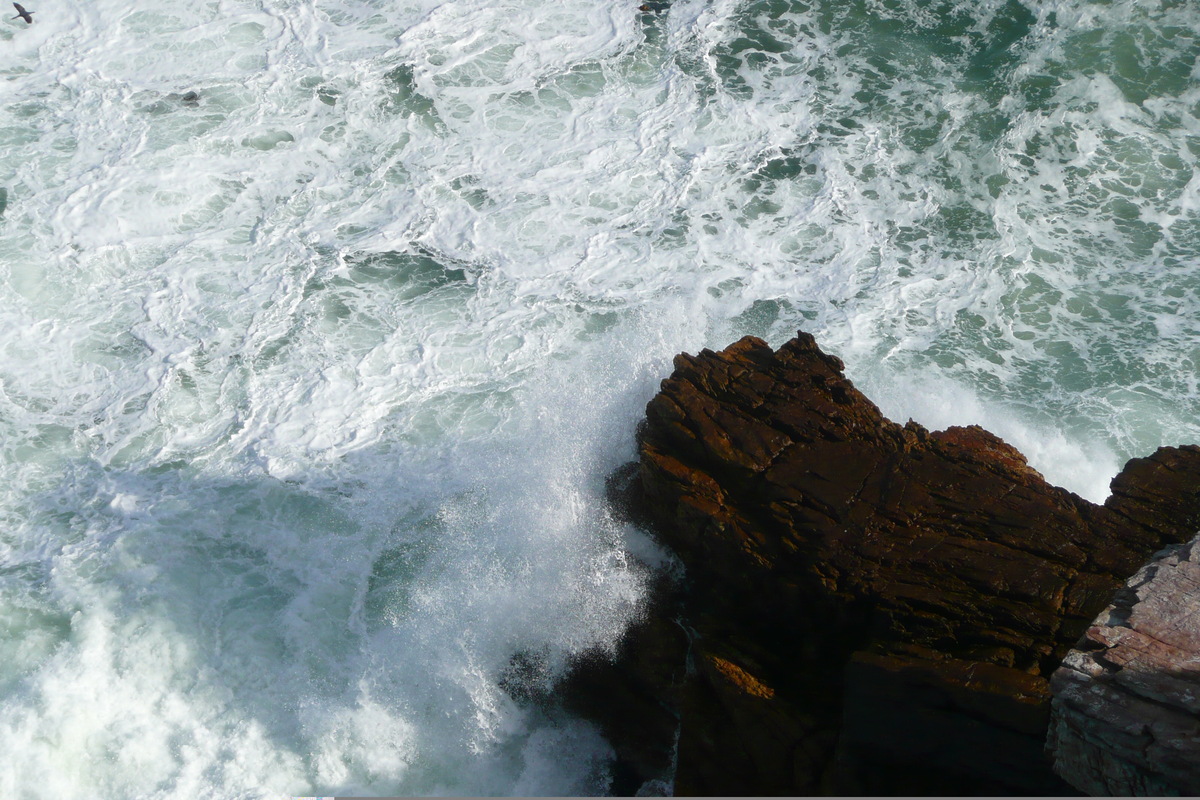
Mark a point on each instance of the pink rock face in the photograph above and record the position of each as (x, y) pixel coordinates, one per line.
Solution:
(1126, 702)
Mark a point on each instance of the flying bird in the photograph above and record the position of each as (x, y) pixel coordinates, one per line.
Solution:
(23, 14)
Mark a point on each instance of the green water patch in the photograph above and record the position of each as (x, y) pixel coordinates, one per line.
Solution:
(395, 572)
(18, 135)
(1051, 342)
(597, 323)
(788, 164)
(904, 97)
(173, 119)
(324, 91)
(1108, 192)
(372, 287)
(996, 50)
(972, 127)
(460, 416)
(36, 457)
(582, 80)
(249, 574)
(1142, 58)
(406, 275)
(268, 140)
(402, 98)
(762, 318)
(32, 626)
(364, 311)
(469, 189)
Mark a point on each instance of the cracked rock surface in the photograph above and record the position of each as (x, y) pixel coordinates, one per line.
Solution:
(1126, 707)
(869, 608)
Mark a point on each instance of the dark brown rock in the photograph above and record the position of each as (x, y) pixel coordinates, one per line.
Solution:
(872, 608)
(636, 699)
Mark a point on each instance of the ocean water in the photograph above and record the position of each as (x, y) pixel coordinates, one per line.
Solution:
(309, 385)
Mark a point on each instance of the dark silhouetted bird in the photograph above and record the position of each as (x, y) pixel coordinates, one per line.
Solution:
(23, 14)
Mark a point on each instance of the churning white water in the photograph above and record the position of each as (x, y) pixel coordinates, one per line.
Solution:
(309, 383)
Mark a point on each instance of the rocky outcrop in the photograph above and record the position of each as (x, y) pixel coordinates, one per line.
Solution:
(869, 608)
(1126, 707)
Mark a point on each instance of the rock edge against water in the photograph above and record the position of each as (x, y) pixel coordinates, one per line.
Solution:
(868, 608)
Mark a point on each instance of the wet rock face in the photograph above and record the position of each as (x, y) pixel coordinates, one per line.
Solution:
(1126, 708)
(871, 608)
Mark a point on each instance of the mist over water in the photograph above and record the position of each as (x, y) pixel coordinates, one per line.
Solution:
(308, 388)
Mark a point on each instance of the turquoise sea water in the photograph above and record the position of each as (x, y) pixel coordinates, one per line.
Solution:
(308, 388)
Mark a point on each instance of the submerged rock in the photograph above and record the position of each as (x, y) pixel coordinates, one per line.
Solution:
(1126, 708)
(869, 608)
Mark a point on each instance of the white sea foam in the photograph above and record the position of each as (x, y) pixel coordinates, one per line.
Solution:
(308, 390)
